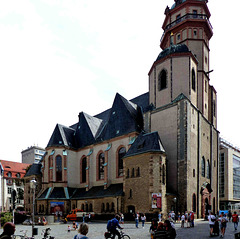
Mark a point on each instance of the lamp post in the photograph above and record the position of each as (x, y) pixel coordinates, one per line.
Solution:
(33, 183)
(175, 204)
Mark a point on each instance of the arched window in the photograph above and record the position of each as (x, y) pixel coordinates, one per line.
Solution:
(133, 173)
(9, 174)
(208, 169)
(138, 172)
(113, 207)
(213, 206)
(162, 80)
(107, 207)
(58, 168)
(83, 170)
(101, 161)
(90, 207)
(203, 166)
(82, 207)
(194, 203)
(163, 174)
(87, 208)
(103, 207)
(121, 153)
(130, 193)
(128, 173)
(193, 79)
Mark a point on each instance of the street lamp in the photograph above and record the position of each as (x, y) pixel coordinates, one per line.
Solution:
(33, 183)
(175, 204)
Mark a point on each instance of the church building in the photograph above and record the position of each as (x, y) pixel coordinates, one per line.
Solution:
(156, 152)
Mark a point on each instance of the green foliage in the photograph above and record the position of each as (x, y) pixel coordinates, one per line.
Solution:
(6, 217)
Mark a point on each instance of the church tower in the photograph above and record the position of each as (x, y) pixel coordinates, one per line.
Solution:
(184, 107)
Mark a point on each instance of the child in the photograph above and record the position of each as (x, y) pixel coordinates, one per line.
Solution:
(83, 231)
(69, 228)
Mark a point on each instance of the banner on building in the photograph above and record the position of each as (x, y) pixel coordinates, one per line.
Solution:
(57, 208)
(156, 200)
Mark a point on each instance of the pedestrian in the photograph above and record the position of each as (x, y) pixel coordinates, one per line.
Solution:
(8, 230)
(68, 228)
(82, 232)
(122, 218)
(137, 219)
(182, 220)
(74, 225)
(143, 219)
(179, 217)
(211, 221)
(89, 217)
(83, 218)
(159, 216)
(235, 220)
(188, 220)
(229, 215)
(112, 226)
(173, 216)
(170, 231)
(223, 219)
(192, 219)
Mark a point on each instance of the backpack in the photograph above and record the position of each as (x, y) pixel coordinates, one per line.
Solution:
(109, 225)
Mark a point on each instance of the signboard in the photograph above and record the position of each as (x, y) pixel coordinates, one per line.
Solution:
(156, 200)
(57, 208)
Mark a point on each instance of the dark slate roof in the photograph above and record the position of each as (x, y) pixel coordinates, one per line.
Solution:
(62, 135)
(145, 143)
(179, 48)
(35, 169)
(87, 129)
(57, 192)
(81, 193)
(99, 192)
(124, 117)
(142, 101)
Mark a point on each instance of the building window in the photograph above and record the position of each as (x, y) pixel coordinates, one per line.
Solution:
(90, 207)
(162, 80)
(178, 37)
(193, 79)
(194, 203)
(113, 207)
(130, 193)
(101, 161)
(18, 175)
(194, 13)
(9, 190)
(133, 173)
(9, 174)
(163, 174)
(128, 173)
(107, 207)
(58, 168)
(221, 175)
(178, 18)
(138, 172)
(214, 108)
(194, 173)
(103, 207)
(121, 153)
(236, 176)
(203, 166)
(83, 170)
(208, 169)
(206, 86)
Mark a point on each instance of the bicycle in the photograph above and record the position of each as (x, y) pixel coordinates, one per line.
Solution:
(24, 236)
(122, 234)
(46, 233)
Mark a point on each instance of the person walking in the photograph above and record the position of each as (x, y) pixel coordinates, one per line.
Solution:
(192, 219)
(235, 220)
(143, 219)
(182, 220)
(137, 219)
(211, 221)
(223, 220)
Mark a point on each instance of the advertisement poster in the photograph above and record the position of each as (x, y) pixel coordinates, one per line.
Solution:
(156, 200)
(57, 208)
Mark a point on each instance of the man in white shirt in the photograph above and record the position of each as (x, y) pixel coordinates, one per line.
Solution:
(211, 220)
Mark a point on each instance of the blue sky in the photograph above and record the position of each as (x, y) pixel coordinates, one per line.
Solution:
(61, 57)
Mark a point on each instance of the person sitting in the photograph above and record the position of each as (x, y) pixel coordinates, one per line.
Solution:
(82, 232)
(44, 220)
(8, 230)
(112, 226)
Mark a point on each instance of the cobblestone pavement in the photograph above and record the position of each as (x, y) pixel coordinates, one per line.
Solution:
(96, 231)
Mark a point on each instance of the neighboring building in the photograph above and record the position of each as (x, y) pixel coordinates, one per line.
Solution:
(32, 154)
(229, 175)
(158, 151)
(34, 172)
(12, 179)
